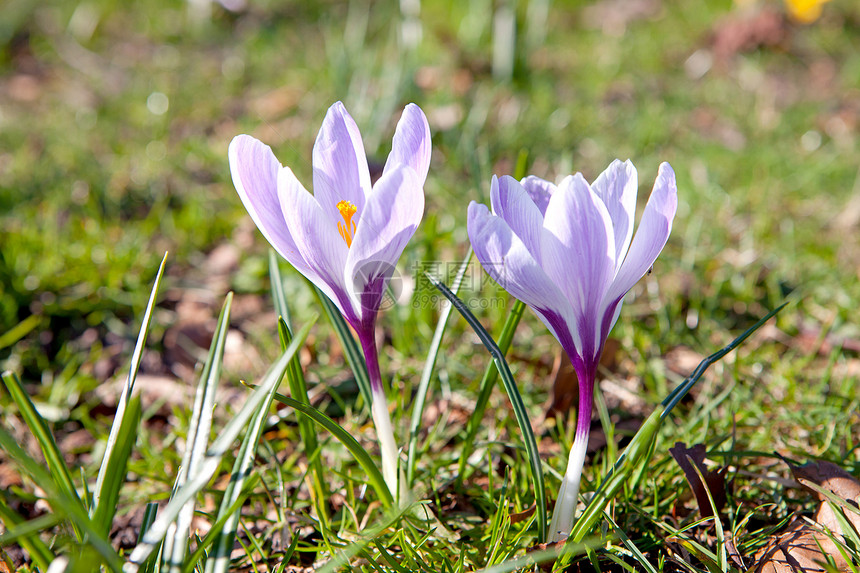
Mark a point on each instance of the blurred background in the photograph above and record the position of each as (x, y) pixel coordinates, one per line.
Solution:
(115, 120)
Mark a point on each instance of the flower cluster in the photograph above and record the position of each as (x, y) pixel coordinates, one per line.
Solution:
(568, 251)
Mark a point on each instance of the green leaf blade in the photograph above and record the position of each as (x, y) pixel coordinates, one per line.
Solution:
(520, 412)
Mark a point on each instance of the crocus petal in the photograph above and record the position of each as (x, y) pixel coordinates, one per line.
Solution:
(391, 215)
(540, 191)
(340, 164)
(579, 255)
(651, 236)
(255, 174)
(578, 245)
(411, 144)
(512, 203)
(507, 260)
(317, 240)
(617, 187)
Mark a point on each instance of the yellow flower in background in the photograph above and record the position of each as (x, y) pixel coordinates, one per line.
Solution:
(805, 11)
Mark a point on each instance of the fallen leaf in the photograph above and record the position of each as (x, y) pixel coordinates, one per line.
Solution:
(691, 459)
(797, 549)
(733, 552)
(837, 481)
(522, 515)
(830, 477)
(804, 546)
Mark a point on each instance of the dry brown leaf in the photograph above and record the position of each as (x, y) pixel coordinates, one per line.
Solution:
(796, 549)
(522, 515)
(803, 546)
(830, 477)
(715, 480)
(838, 482)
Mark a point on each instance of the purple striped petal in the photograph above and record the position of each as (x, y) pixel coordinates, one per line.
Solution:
(255, 175)
(340, 164)
(511, 202)
(617, 187)
(507, 260)
(317, 240)
(391, 215)
(578, 245)
(540, 191)
(411, 144)
(651, 236)
(579, 255)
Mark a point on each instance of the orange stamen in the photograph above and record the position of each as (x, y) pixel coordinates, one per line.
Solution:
(347, 228)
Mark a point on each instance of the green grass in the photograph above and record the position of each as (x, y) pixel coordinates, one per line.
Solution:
(98, 180)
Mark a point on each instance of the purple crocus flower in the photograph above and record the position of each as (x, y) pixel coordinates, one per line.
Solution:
(346, 238)
(568, 251)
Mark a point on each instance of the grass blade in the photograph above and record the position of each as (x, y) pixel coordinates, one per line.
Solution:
(118, 465)
(19, 331)
(222, 444)
(148, 518)
(427, 373)
(488, 381)
(500, 523)
(721, 555)
(631, 547)
(527, 562)
(197, 442)
(126, 392)
(341, 560)
(15, 531)
(211, 539)
(61, 501)
(59, 471)
(847, 539)
(298, 390)
(516, 400)
(28, 529)
(363, 458)
(219, 557)
(678, 393)
(491, 374)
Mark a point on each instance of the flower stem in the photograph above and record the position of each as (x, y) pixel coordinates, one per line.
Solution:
(385, 435)
(382, 421)
(565, 506)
